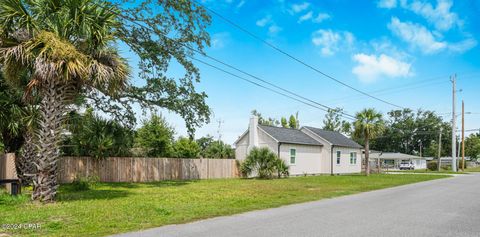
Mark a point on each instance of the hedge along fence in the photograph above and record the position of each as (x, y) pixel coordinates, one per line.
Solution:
(134, 169)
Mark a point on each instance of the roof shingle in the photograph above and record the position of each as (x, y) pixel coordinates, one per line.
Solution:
(335, 138)
(289, 135)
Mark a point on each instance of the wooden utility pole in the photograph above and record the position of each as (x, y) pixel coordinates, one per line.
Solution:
(463, 136)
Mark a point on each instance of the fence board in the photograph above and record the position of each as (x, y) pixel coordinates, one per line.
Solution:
(128, 169)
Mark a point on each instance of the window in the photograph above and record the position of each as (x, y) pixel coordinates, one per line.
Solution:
(353, 158)
(339, 153)
(293, 155)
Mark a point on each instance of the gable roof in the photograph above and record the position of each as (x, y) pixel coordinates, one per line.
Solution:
(335, 138)
(289, 135)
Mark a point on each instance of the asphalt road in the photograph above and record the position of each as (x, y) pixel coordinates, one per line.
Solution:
(446, 207)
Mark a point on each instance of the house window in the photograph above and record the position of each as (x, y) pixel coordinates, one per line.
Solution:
(353, 158)
(339, 154)
(293, 155)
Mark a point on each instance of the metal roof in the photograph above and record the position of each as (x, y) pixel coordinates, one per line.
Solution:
(335, 138)
(289, 135)
(393, 156)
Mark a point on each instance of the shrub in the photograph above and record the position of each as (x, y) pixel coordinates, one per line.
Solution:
(264, 163)
(432, 165)
(186, 148)
(81, 183)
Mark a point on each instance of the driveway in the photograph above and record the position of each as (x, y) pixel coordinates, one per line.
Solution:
(446, 207)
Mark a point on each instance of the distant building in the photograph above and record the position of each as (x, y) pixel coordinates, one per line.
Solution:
(392, 160)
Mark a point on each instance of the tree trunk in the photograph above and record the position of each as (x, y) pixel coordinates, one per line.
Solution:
(367, 156)
(52, 109)
(25, 162)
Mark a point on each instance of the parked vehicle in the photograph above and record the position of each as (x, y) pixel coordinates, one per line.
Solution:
(407, 165)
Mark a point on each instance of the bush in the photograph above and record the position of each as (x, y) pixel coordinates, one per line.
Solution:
(84, 183)
(432, 165)
(264, 163)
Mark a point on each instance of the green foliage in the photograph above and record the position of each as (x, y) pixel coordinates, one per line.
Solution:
(264, 163)
(186, 148)
(292, 122)
(83, 183)
(368, 124)
(11, 114)
(472, 146)
(204, 142)
(97, 137)
(333, 122)
(284, 122)
(432, 165)
(406, 131)
(156, 136)
(219, 150)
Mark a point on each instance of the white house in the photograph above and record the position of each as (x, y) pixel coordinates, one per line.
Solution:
(393, 159)
(307, 150)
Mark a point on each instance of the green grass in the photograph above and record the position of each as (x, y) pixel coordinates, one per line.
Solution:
(112, 208)
(423, 171)
(476, 169)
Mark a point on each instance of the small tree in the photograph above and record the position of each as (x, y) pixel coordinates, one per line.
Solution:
(368, 124)
(156, 136)
(264, 163)
(292, 122)
(284, 122)
(219, 150)
(186, 148)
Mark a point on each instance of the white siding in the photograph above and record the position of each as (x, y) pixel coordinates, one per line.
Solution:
(344, 167)
(241, 148)
(307, 161)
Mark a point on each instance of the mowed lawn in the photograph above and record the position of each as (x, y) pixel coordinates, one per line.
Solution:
(111, 208)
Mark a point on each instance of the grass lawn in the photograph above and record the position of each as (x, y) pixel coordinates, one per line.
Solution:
(423, 171)
(111, 208)
(476, 169)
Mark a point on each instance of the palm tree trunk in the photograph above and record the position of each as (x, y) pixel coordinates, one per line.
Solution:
(52, 109)
(367, 156)
(25, 162)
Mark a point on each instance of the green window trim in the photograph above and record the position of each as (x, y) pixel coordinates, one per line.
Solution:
(293, 156)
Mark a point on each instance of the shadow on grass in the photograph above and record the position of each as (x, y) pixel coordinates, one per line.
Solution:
(68, 195)
(165, 183)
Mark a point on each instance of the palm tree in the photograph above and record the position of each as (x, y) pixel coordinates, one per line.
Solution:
(368, 125)
(66, 48)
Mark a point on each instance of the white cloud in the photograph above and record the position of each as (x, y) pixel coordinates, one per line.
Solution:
(306, 17)
(370, 68)
(264, 21)
(387, 3)
(330, 41)
(321, 17)
(296, 8)
(219, 40)
(463, 46)
(274, 29)
(417, 36)
(439, 16)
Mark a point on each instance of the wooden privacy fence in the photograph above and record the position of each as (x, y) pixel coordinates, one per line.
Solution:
(133, 169)
(7, 166)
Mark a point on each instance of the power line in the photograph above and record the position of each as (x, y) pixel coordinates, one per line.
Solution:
(294, 58)
(267, 88)
(326, 108)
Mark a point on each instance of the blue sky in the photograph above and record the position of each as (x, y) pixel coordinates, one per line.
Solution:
(405, 48)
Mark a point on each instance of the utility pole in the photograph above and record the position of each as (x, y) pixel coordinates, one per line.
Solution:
(219, 130)
(439, 148)
(454, 129)
(463, 136)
